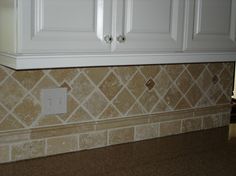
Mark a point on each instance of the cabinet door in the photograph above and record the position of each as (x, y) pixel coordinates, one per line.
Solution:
(149, 25)
(64, 25)
(210, 25)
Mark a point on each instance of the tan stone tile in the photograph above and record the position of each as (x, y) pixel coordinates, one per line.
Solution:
(81, 88)
(61, 145)
(204, 102)
(71, 106)
(170, 128)
(211, 121)
(96, 74)
(124, 101)
(148, 131)
(226, 79)
(215, 68)
(3, 74)
(223, 100)
(28, 150)
(137, 109)
(163, 82)
(174, 70)
(172, 97)
(28, 110)
(214, 93)
(93, 140)
(184, 82)
(61, 75)
(28, 79)
(205, 80)
(161, 107)
(4, 154)
(118, 136)
(11, 93)
(148, 100)
(10, 123)
(195, 70)
(80, 116)
(189, 125)
(48, 120)
(45, 83)
(14, 136)
(150, 71)
(225, 119)
(137, 84)
(3, 112)
(110, 112)
(95, 104)
(194, 95)
(125, 73)
(183, 104)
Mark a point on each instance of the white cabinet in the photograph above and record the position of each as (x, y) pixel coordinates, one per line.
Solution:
(210, 25)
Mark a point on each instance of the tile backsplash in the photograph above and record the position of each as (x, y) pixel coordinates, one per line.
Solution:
(109, 93)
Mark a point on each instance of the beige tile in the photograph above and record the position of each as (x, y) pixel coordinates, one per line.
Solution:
(3, 112)
(137, 85)
(183, 104)
(212, 121)
(3, 74)
(10, 123)
(189, 125)
(226, 79)
(161, 107)
(196, 69)
(110, 112)
(125, 73)
(14, 136)
(174, 70)
(163, 82)
(11, 93)
(214, 93)
(81, 88)
(150, 71)
(4, 154)
(205, 80)
(118, 136)
(80, 116)
(148, 100)
(170, 128)
(28, 110)
(225, 119)
(28, 150)
(194, 95)
(148, 131)
(172, 97)
(110, 86)
(215, 67)
(136, 109)
(96, 74)
(61, 145)
(184, 82)
(28, 79)
(223, 100)
(124, 101)
(93, 140)
(48, 120)
(61, 75)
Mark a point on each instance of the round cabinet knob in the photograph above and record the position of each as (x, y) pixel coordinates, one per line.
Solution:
(121, 38)
(108, 39)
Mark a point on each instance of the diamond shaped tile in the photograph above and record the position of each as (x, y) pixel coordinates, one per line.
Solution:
(3, 74)
(148, 100)
(214, 93)
(11, 93)
(205, 80)
(3, 112)
(150, 71)
(61, 75)
(125, 73)
(195, 69)
(110, 86)
(48, 120)
(184, 82)
(194, 95)
(204, 102)
(183, 104)
(10, 123)
(161, 107)
(215, 68)
(80, 116)
(27, 110)
(110, 112)
(172, 97)
(96, 104)
(124, 101)
(226, 79)
(28, 79)
(136, 109)
(223, 100)
(96, 74)
(81, 88)
(174, 70)
(163, 82)
(137, 84)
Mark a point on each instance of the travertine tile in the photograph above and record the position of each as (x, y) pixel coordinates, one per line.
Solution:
(194, 95)
(223, 100)
(189, 125)
(215, 68)
(214, 93)
(184, 82)
(163, 82)
(225, 119)
(123, 135)
(28, 150)
(3, 112)
(10, 123)
(61, 145)
(110, 86)
(205, 80)
(137, 85)
(170, 128)
(212, 121)
(150, 71)
(195, 69)
(125, 73)
(148, 100)
(28, 79)
(226, 79)
(137, 109)
(4, 154)
(3, 74)
(96, 74)
(93, 140)
(110, 112)
(174, 70)
(48, 120)
(28, 110)
(161, 107)
(172, 97)
(80, 116)
(14, 137)
(148, 131)
(183, 104)
(61, 75)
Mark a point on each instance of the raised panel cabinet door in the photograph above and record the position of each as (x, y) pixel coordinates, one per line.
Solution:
(210, 25)
(64, 25)
(148, 25)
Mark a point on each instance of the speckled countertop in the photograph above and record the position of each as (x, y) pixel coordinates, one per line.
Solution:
(205, 153)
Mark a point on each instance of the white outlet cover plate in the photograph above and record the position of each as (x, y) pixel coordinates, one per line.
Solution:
(54, 101)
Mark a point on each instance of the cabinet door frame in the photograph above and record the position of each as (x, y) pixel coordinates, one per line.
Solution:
(195, 41)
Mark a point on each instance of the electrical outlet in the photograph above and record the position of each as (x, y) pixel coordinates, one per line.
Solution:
(54, 101)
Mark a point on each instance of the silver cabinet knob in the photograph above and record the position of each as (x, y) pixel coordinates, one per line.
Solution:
(108, 39)
(121, 38)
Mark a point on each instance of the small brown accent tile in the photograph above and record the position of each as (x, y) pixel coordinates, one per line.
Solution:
(80, 116)
(96, 74)
(62, 145)
(125, 73)
(150, 84)
(93, 140)
(170, 128)
(61, 75)
(119, 136)
(150, 71)
(4, 154)
(215, 79)
(10, 123)
(148, 100)
(110, 112)
(66, 85)
(189, 125)
(148, 131)
(137, 85)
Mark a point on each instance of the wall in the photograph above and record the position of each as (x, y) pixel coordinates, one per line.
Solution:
(110, 105)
